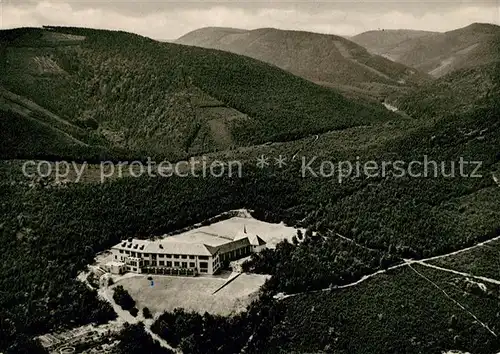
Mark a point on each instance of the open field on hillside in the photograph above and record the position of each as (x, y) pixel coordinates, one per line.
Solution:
(196, 293)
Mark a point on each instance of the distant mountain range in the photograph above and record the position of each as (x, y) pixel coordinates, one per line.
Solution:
(336, 61)
(324, 59)
(435, 53)
(382, 41)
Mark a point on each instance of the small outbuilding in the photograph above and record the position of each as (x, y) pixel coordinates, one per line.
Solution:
(257, 243)
(116, 267)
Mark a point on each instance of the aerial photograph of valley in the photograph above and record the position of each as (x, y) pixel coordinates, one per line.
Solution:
(250, 177)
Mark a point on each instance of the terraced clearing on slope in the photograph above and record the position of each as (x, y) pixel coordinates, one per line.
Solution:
(47, 65)
(57, 37)
(446, 65)
(443, 68)
(396, 312)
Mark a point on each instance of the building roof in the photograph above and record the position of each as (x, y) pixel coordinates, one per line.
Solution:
(186, 248)
(254, 240)
(199, 237)
(195, 242)
(233, 245)
(166, 246)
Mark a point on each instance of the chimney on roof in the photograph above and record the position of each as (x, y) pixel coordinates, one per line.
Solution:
(244, 229)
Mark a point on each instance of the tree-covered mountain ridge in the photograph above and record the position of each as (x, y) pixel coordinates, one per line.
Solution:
(123, 94)
(435, 53)
(325, 59)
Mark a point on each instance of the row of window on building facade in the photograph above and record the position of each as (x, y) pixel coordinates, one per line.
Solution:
(160, 255)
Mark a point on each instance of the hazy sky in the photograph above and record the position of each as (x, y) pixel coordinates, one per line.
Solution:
(171, 19)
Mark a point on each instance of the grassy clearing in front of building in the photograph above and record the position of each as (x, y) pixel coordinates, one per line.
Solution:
(193, 293)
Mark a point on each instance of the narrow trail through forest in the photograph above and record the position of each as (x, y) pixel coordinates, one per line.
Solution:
(407, 262)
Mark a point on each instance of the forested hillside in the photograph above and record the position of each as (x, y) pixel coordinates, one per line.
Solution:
(325, 59)
(459, 92)
(388, 220)
(27, 137)
(132, 96)
(442, 53)
(61, 228)
(383, 41)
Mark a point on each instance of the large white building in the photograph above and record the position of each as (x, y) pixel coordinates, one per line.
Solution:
(185, 254)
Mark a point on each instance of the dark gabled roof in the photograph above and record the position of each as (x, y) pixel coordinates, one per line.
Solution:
(260, 242)
(231, 246)
(213, 250)
(170, 247)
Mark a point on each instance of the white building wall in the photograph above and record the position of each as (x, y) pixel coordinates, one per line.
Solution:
(192, 261)
(257, 249)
